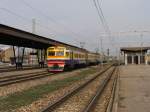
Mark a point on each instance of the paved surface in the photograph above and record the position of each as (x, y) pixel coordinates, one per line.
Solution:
(134, 91)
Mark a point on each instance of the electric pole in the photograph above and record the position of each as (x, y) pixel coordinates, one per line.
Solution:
(34, 32)
(101, 43)
(33, 26)
(108, 52)
(141, 57)
(108, 55)
(82, 44)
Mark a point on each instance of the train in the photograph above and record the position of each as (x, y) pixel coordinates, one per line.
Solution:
(61, 58)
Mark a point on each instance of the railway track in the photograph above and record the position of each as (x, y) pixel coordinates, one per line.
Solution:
(60, 102)
(12, 79)
(96, 103)
(7, 80)
(10, 69)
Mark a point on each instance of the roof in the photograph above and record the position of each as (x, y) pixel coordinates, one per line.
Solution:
(134, 49)
(16, 37)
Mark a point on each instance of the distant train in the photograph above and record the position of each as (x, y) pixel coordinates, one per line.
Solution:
(63, 58)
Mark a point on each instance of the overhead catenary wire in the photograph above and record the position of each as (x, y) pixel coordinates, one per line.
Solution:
(99, 14)
(68, 30)
(23, 18)
(49, 18)
(103, 18)
(29, 21)
(103, 21)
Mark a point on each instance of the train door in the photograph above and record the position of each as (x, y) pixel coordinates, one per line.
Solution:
(135, 59)
(86, 58)
(129, 58)
(71, 59)
(142, 58)
(71, 56)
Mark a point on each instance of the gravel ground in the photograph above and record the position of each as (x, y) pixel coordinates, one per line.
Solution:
(50, 98)
(10, 89)
(104, 99)
(3, 74)
(77, 102)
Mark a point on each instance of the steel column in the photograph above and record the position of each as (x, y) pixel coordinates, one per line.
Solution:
(14, 56)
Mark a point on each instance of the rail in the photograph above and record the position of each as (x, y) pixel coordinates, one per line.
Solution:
(62, 99)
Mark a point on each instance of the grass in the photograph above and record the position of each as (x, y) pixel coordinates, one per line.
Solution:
(89, 71)
(26, 97)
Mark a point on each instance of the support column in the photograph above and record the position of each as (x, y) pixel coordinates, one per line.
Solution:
(19, 58)
(23, 54)
(14, 55)
(38, 55)
(45, 55)
(126, 62)
(132, 59)
(41, 57)
(139, 59)
(42, 60)
(146, 61)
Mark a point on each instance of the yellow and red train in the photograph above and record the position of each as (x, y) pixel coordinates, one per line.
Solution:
(62, 58)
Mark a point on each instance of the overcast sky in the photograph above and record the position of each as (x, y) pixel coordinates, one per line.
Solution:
(75, 21)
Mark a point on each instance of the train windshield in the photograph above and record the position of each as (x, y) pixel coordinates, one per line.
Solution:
(51, 53)
(56, 53)
(59, 53)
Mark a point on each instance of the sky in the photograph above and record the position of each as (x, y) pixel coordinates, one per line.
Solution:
(75, 21)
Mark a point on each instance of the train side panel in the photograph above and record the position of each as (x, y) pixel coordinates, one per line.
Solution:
(60, 58)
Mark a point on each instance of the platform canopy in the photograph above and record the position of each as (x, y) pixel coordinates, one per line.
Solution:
(16, 37)
(134, 49)
(135, 55)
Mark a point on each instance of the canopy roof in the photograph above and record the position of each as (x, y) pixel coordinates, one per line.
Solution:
(134, 49)
(17, 37)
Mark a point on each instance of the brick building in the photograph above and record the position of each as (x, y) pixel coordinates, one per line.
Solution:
(5, 55)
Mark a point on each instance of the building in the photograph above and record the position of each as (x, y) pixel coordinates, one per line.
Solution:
(5, 55)
(30, 56)
(135, 55)
(1, 55)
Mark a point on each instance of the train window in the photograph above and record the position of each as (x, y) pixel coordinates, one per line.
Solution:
(71, 55)
(83, 56)
(67, 54)
(75, 55)
(51, 53)
(60, 53)
(80, 55)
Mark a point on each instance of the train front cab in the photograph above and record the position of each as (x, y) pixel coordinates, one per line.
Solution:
(56, 59)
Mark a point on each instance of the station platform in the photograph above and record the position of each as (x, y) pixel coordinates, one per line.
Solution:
(134, 88)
